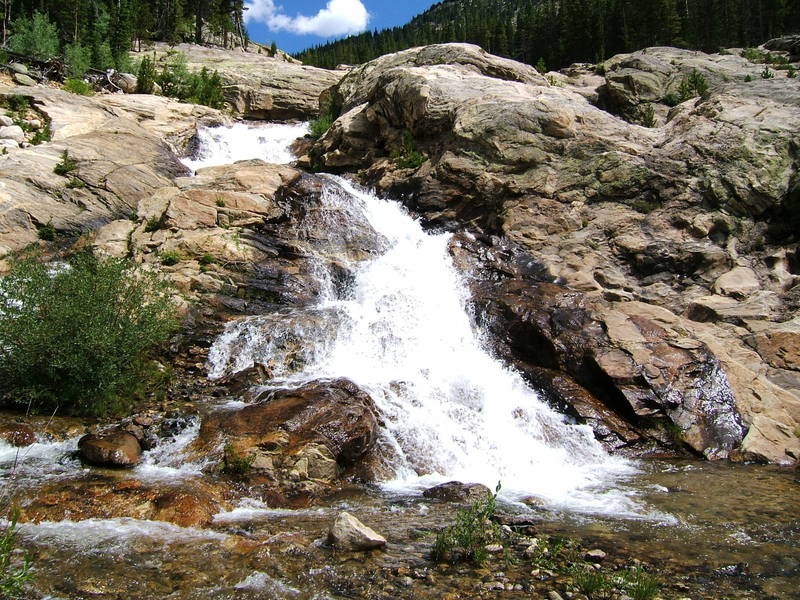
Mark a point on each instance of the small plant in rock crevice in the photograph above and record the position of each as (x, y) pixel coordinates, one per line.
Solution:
(170, 257)
(47, 232)
(474, 529)
(407, 156)
(235, 463)
(66, 166)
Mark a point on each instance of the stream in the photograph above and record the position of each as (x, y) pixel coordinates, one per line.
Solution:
(450, 411)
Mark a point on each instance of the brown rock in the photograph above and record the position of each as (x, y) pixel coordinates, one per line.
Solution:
(186, 509)
(115, 449)
(17, 434)
(455, 491)
(348, 533)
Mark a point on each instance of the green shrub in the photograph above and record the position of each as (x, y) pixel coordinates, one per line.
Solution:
(146, 77)
(154, 223)
(76, 338)
(43, 135)
(754, 55)
(407, 156)
(205, 88)
(640, 585)
(649, 116)
(46, 232)
(694, 84)
(35, 36)
(220, 201)
(207, 259)
(791, 72)
(591, 582)
(78, 86)
(468, 538)
(767, 73)
(78, 59)
(170, 257)
(17, 104)
(13, 576)
(66, 166)
(748, 78)
(74, 183)
(541, 66)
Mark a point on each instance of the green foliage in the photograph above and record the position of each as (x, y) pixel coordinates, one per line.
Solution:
(767, 73)
(74, 183)
(754, 55)
(175, 80)
(46, 232)
(66, 166)
(791, 72)
(146, 78)
(17, 104)
(76, 337)
(78, 86)
(235, 464)
(692, 85)
(748, 78)
(562, 32)
(207, 259)
(593, 583)
(43, 135)
(640, 584)
(319, 126)
(154, 223)
(273, 49)
(472, 532)
(78, 59)
(649, 116)
(220, 201)
(541, 67)
(170, 257)
(34, 36)
(13, 576)
(407, 156)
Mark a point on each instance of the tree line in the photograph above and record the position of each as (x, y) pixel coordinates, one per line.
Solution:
(556, 33)
(104, 31)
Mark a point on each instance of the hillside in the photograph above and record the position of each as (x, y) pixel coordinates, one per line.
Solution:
(561, 32)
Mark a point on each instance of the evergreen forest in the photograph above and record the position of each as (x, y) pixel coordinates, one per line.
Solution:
(552, 34)
(100, 33)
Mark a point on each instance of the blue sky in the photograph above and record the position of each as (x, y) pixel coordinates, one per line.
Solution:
(298, 24)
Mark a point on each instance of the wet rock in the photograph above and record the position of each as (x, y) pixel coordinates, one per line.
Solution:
(455, 491)
(115, 449)
(17, 434)
(348, 533)
(336, 414)
(185, 509)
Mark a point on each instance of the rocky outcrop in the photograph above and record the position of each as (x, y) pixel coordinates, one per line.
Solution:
(117, 145)
(693, 216)
(257, 85)
(349, 534)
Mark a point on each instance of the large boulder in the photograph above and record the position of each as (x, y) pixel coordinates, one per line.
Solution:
(114, 449)
(348, 533)
(455, 491)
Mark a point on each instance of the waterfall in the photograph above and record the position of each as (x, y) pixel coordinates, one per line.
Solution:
(450, 410)
(226, 145)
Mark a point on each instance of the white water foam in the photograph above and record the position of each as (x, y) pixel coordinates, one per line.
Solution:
(451, 411)
(170, 459)
(111, 536)
(243, 141)
(40, 460)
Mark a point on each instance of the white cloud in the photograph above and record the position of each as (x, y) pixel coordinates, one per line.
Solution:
(339, 17)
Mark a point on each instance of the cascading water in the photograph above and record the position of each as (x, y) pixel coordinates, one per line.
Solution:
(240, 141)
(450, 410)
